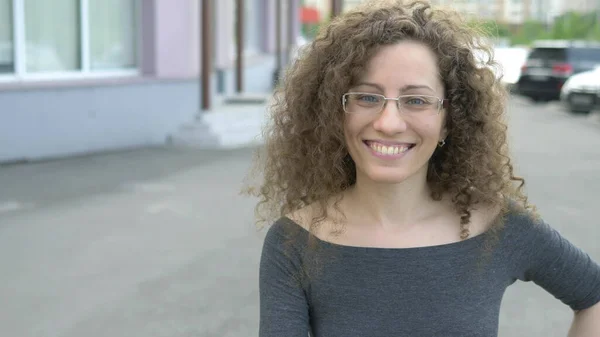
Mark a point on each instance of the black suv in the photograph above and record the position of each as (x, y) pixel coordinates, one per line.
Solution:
(551, 63)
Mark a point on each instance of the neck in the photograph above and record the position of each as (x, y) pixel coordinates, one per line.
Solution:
(390, 205)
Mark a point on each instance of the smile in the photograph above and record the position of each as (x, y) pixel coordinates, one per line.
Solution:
(388, 149)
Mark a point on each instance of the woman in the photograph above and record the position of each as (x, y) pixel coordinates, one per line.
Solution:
(396, 211)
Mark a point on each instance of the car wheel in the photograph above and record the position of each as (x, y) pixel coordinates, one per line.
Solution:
(538, 99)
(579, 111)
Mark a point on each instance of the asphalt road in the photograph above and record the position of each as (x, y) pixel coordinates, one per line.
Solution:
(157, 242)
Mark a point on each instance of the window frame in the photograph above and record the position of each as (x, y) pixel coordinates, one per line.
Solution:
(20, 55)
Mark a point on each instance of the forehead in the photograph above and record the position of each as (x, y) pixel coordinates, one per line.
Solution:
(407, 63)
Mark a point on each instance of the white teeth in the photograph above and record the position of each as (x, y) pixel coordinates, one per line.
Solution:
(388, 150)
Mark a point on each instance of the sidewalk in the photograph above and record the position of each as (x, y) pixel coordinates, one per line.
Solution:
(40, 184)
(152, 242)
(228, 129)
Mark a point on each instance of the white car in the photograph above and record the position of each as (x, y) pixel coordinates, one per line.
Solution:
(581, 92)
(509, 61)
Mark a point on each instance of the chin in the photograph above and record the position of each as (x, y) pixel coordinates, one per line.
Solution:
(387, 175)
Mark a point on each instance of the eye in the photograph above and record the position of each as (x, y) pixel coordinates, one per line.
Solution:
(416, 100)
(368, 98)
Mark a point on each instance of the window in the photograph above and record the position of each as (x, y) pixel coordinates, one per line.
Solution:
(67, 36)
(7, 64)
(112, 34)
(52, 35)
(549, 54)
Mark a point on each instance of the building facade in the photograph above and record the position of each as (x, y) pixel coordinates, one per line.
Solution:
(80, 76)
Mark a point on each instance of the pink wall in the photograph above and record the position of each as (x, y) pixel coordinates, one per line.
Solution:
(171, 35)
(177, 34)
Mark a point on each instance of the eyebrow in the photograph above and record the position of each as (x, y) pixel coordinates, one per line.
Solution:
(405, 88)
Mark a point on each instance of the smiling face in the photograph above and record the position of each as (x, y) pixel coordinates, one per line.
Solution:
(392, 145)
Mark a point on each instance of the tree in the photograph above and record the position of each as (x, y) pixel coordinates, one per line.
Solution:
(490, 28)
(594, 33)
(575, 26)
(530, 31)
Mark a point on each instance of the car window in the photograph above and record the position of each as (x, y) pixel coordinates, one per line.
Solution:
(549, 54)
(588, 57)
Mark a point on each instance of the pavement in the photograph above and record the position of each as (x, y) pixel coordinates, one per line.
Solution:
(158, 241)
(155, 242)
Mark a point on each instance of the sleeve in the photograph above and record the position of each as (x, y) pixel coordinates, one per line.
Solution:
(283, 303)
(562, 269)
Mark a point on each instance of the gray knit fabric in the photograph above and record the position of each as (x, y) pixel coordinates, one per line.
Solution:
(447, 290)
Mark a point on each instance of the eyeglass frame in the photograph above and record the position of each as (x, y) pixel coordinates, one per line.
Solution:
(442, 102)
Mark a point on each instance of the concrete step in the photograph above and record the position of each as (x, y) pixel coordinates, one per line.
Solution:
(246, 99)
(225, 126)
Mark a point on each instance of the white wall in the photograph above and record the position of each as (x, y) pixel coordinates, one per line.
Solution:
(46, 123)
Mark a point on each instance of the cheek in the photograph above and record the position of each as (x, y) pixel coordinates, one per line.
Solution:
(430, 130)
(346, 129)
(435, 128)
(353, 125)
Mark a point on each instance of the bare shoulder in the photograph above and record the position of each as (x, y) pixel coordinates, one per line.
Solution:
(483, 217)
(306, 216)
(302, 216)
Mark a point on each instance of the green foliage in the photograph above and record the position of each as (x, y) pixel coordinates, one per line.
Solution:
(531, 30)
(490, 28)
(310, 30)
(572, 25)
(569, 26)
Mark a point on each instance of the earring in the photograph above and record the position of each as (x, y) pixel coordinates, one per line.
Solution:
(441, 143)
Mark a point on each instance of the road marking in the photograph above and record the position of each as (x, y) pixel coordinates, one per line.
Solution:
(568, 210)
(168, 207)
(11, 206)
(150, 187)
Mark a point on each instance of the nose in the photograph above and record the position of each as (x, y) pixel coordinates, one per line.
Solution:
(390, 120)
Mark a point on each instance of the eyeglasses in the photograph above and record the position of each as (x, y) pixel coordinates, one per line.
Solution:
(367, 103)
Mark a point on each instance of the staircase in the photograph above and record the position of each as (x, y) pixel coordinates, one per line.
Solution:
(232, 122)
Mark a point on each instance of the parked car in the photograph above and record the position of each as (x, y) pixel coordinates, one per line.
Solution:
(510, 60)
(581, 92)
(551, 63)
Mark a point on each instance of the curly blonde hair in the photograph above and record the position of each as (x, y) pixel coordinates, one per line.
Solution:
(305, 159)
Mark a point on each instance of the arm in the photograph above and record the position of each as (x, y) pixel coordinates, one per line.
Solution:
(283, 303)
(566, 272)
(586, 322)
